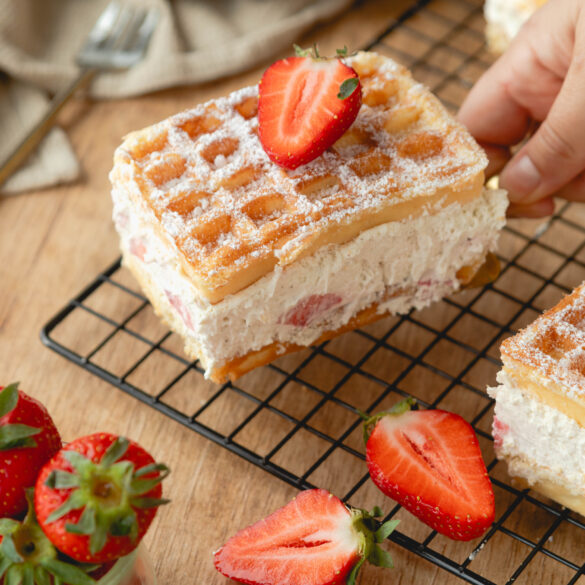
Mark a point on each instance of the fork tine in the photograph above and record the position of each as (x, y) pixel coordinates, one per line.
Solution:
(136, 38)
(146, 29)
(118, 34)
(104, 23)
(132, 29)
(119, 38)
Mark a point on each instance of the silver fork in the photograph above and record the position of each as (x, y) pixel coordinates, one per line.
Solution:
(118, 40)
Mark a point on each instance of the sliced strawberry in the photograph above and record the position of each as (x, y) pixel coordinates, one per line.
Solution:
(429, 461)
(309, 308)
(305, 104)
(313, 540)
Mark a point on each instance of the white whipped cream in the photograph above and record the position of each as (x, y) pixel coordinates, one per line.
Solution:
(423, 254)
(538, 441)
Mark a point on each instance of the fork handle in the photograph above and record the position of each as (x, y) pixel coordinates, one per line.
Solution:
(31, 140)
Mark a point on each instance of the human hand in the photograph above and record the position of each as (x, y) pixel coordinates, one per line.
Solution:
(538, 83)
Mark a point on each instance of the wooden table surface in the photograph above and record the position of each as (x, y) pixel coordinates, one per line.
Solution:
(53, 242)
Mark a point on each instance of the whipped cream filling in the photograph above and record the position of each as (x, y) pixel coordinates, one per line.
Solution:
(400, 265)
(537, 441)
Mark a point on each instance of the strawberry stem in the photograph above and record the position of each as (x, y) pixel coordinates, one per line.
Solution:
(27, 556)
(372, 533)
(108, 492)
(398, 409)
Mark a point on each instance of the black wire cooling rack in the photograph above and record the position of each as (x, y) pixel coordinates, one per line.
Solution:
(298, 418)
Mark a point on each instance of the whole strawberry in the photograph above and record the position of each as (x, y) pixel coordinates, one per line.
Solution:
(97, 497)
(28, 439)
(429, 461)
(305, 104)
(313, 540)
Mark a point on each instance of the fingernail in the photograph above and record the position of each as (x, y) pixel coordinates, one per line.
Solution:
(521, 178)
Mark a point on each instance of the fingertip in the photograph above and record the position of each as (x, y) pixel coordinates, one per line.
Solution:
(521, 178)
(538, 209)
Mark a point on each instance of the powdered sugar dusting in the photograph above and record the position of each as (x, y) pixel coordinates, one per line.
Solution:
(554, 345)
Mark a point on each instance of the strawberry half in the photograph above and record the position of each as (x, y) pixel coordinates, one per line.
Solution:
(313, 540)
(97, 497)
(429, 461)
(305, 104)
(28, 439)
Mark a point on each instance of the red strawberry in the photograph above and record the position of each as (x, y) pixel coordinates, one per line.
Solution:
(28, 439)
(309, 308)
(313, 540)
(429, 461)
(97, 497)
(305, 104)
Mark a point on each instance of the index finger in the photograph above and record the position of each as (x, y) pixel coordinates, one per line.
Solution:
(520, 87)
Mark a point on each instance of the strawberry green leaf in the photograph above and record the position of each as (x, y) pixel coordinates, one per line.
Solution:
(5, 562)
(8, 550)
(142, 486)
(376, 512)
(67, 573)
(386, 530)
(342, 52)
(75, 501)
(399, 408)
(78, 461)
(381, 558)
(153, 467)
(115, 451)
(354, 572)
(8, 398)
(8, 526)
(85, 524)
(15, 435)
(61, 480)
(348, 87)
(124, 526)
(145, 503)
(28, 574)
(98, 538)
(42, 577)
(13, 575)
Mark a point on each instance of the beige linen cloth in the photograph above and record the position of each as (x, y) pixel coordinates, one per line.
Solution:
(195, 41)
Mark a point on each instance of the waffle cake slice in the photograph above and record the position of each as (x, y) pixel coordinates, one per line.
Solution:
(247, 260)
(539, 421)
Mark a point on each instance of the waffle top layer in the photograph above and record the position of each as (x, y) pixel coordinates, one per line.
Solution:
(553, 346)
(232, 215)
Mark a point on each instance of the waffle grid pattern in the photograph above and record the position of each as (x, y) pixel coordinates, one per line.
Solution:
(307, 404)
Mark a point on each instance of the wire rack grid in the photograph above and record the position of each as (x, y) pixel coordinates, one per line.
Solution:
(299, 417)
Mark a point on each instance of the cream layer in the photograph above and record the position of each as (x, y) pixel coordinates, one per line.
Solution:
(538, 442)
(321, 292)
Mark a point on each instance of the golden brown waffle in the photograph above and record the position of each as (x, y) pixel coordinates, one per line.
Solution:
(233, 215)
(548, 357)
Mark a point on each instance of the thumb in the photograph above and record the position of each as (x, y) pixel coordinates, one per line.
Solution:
(555, 154)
